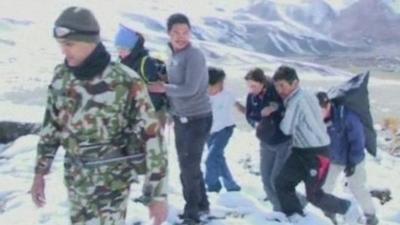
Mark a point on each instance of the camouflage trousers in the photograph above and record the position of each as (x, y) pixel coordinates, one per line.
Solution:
(99, 195)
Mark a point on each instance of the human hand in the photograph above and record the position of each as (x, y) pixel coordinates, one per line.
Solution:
(158, 210)
(157, 87)
(267, 111)
(37, 190)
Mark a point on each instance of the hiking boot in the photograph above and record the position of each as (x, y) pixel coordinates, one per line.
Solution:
(332, 217)
(371, 220)
(277, 216)
(214, 188)
(204, 214)
(234, 188)
(295, 218)
(189, 221)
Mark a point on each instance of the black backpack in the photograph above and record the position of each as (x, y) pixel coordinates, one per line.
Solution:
(354, 95)
(160, 66)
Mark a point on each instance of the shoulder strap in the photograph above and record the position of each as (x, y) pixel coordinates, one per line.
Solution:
(142, 65)
(341, 117)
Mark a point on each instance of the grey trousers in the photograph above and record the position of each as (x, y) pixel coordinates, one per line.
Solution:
(272, 159)
(357, 184)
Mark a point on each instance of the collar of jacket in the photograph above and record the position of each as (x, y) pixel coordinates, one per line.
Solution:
(262, 93)
(93, 65)
(291, 95)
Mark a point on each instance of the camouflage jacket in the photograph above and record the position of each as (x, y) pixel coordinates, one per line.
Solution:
(92, 119)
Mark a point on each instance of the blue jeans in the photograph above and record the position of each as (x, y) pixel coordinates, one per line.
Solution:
(216, 165)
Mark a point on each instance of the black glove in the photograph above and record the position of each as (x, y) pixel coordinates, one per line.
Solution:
(349, 170)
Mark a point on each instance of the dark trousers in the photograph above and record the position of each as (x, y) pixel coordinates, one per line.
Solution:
(310, 166)
(272, 160)
(190, 139)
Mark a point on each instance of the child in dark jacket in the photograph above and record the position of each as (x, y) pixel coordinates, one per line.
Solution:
(132, 53)
(347, 153)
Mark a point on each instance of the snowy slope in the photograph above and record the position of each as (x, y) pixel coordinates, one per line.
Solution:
(16, 166)
(28, 54)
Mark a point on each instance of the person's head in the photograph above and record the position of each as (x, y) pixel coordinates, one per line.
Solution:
(325, 104)
(285, 80)
(126, 40)
(179, 31)
(78, 33)
(216, 77)
(256, 81)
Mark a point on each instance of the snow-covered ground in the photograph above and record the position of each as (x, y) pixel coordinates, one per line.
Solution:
(16, 165)
(28, 55)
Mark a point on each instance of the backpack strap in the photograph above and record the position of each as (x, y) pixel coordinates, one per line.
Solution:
(341, 117)
(142, 72)
(341, 111)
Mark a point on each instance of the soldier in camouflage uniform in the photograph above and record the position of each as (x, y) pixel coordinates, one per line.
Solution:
(101, 114)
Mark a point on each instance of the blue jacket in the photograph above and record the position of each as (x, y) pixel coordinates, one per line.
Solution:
(254, 105)
(347, 137)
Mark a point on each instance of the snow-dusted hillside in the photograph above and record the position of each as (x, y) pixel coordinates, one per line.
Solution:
(323, 27)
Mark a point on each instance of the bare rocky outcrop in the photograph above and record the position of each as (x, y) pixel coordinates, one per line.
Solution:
(10, 131)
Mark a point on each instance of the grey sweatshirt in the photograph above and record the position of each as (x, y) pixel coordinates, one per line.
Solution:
(303, 120)
(188, 83)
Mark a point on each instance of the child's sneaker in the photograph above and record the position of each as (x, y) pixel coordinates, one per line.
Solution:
(371, 219)
(331, 217)
(295, 218)
(214, 188)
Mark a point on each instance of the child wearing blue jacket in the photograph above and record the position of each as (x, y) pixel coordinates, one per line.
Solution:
(347, 153)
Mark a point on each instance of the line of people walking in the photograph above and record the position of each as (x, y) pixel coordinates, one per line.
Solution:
(109, 117)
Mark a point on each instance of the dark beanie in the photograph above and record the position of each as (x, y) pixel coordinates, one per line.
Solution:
(82, 22)
(177, 18)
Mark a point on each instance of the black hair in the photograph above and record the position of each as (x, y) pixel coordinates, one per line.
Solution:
(323, 99)
(177, 18)
(140, 42)
(215, 75)
(285, 73)
(257, 75)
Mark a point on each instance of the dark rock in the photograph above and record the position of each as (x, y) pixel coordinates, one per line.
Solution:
(10, 131)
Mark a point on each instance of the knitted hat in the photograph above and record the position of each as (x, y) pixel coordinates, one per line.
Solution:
(77, 24)
(126, 38)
